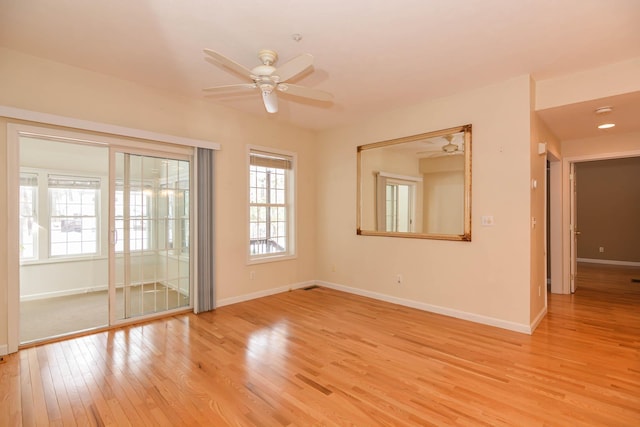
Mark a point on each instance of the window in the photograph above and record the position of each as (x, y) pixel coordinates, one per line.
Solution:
(270, 205)
(396, 201)
(177, 216)
(139, 204)
(28, 216)
(73, 215)
(399, 201)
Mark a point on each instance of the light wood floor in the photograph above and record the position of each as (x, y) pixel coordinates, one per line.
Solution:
(322, 357)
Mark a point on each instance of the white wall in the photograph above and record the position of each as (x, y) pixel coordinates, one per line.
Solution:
(486, 279)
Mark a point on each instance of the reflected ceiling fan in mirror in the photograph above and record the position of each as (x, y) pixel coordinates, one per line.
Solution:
(267, 78)
(446, 145)
(450, 147)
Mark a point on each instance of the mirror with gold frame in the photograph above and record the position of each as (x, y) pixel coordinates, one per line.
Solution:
(417, 186)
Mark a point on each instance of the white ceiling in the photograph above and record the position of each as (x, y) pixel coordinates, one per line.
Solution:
(373, 55)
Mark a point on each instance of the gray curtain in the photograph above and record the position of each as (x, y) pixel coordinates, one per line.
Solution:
(205, 232)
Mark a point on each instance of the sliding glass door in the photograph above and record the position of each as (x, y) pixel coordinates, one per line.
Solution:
(102, 231)
(149, 236)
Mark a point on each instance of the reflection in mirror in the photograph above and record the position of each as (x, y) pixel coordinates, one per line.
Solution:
(417, 186)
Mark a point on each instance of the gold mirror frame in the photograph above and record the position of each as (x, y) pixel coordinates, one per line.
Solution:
(373, 214)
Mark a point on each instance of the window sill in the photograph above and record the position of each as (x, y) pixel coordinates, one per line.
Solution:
(62, 260)
(273, 258)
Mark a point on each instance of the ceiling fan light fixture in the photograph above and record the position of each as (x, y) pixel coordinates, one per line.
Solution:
(450, 148)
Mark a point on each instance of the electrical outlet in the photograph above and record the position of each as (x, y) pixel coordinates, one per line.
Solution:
(601, 249)
(399, 279)
(252, 275)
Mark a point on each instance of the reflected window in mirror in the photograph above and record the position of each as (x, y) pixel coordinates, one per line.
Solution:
(417, 186)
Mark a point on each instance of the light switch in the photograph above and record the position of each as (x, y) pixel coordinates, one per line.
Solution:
(486, 220)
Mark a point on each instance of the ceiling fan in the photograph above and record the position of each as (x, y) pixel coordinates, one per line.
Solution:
(450, 147)
(267, 78)
(443, 148)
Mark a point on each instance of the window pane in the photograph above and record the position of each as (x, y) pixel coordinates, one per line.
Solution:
(268, 221)
(28, 215)
(73, 215)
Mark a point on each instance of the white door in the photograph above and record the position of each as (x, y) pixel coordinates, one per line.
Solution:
(573, 227)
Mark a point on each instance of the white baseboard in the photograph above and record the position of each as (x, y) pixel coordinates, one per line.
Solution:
(538, 319)
(265, 293)
(4, 350)
(485, 320)
(609, 261)
(64, 293)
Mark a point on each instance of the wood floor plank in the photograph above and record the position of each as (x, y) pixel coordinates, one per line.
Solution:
(323, 357)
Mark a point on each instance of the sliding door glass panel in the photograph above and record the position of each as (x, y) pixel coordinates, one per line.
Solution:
(151, 235)
(63, 228)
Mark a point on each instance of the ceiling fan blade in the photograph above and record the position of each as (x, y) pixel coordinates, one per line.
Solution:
(305, 92)
(270, 101)
(217, 59)
(294, 67)
(228, 88)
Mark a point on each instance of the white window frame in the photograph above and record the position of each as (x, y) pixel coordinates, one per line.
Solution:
(33, 216)
(290, 203)
(42, 249)
(96, 216)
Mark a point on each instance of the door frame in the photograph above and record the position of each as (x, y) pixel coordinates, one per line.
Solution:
(567, 164)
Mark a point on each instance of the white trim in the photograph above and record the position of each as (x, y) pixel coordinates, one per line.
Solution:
(64, 293)
(538, 319)
(270, 258)
(53, 119)
(13, 239)
(609, 261)
(265, 293)
(401, 177)
(477, 318)
(4, 350)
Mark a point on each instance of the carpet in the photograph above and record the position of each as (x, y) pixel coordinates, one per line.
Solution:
(51, 317)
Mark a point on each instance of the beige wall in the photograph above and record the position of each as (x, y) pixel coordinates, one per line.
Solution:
(489, 277)
(601, 82)
(35, 84)
(608, 206)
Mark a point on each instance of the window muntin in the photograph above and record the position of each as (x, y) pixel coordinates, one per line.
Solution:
(28, 216)
(73, 215)
(139, 219)
(270, 204)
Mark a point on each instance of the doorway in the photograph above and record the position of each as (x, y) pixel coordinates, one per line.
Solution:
(561, 275)
(104, 232)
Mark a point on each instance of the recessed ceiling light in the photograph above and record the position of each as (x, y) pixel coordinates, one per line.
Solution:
(603, 110)
(604, 121)
(606, 125)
